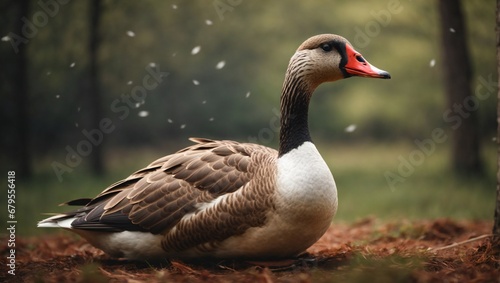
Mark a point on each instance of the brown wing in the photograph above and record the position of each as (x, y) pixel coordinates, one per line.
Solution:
(184, 184)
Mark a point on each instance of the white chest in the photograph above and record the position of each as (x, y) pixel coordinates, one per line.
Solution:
(305, 183)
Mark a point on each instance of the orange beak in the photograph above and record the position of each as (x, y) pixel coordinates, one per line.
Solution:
(357, 66)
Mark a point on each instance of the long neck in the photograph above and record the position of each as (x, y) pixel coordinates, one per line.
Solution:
(294, 111)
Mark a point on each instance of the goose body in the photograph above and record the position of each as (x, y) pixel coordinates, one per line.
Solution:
(226, 199)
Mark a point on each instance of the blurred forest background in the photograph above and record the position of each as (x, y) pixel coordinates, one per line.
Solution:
(226, 61)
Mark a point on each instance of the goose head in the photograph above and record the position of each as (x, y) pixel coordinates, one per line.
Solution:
(327, 58)
(321, 58)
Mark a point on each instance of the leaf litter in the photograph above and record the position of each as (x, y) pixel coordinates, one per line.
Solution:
(367, 250)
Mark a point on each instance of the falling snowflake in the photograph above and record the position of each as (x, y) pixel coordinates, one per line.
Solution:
(76, 125)
(247, 95)
(72, 65)
(57, 96)
(130, 33)
(174, 6)
(196, 50)
(152, 64)
(183, 126)
(137, 105)
(78, 109)
(211, 119)
(204, 102)
(452, 30)
(143, 114)
(220, 65)
(351, 128)
(48, 73)
(130, 82)
(195, 82)
(6, 38)
(209, 22)
(170, 121)
(432, 63)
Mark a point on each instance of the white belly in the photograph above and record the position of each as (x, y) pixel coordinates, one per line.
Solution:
(306, 202)
(126, 244)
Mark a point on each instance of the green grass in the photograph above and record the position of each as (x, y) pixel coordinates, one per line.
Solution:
(430, 192)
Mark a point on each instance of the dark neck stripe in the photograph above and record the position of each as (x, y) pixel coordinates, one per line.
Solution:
(294, 113)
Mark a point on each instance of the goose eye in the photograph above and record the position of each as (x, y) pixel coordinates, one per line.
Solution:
(326, 47)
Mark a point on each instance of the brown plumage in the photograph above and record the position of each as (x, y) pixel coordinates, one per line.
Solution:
(224, 198)
(178, 183)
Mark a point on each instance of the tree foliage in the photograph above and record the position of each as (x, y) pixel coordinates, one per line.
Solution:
(253, 42)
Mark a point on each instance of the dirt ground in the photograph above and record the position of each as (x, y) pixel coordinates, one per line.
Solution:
(366, 251)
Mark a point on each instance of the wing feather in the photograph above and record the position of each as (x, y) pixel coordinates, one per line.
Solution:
(209, 191)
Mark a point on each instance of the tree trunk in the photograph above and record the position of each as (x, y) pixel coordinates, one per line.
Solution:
(496, 224)
(466, 160)
(22, 144)
(94, 97)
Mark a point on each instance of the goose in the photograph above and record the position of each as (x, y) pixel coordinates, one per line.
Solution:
(225, 199)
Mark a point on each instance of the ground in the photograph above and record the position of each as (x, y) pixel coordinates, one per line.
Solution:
(441, 250)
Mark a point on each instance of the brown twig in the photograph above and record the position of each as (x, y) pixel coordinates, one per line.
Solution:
(462, 243)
